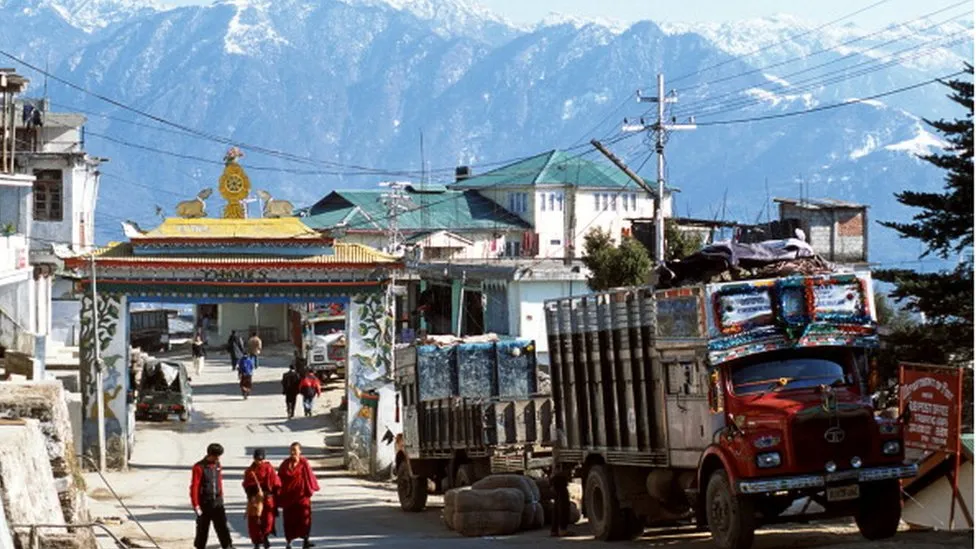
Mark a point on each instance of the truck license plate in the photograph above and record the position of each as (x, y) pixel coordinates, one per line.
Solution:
(843, 493)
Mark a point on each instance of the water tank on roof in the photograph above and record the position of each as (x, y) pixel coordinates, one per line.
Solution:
(461, 173)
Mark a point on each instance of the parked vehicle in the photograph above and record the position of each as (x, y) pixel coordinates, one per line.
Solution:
(325, 347)
(469, 410)
(163, 391)
(726, 402)
(149, 329)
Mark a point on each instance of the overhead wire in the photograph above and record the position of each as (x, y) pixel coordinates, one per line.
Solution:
(779, 42)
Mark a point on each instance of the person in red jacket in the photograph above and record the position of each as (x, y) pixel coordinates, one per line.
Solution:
(261, 477)
(298, 483)
(207, 498)
(309, 388)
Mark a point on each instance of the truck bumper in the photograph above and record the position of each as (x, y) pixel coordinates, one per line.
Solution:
(869, 474)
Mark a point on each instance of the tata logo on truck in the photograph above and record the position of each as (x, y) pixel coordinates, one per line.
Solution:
(834, 435)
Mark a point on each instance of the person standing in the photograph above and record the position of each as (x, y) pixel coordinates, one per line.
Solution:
(298, 483)
(254, 347)
(559, 482)
(245, 373)
(309, 388)
(235, 346)
(199, 353)
(261, 484)
(207, 498)
(290, 381)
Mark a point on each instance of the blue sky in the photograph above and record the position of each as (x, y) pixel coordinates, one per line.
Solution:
(818, 11)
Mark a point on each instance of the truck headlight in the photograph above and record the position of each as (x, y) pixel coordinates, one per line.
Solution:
(767, 460)
(888, 428)
(891, 448)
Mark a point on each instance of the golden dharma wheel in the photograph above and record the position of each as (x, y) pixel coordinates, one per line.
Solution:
(234, 183)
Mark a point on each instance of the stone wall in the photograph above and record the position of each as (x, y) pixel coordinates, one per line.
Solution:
(45, 402)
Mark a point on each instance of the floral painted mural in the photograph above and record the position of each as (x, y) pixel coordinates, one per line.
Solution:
(370, 376)
(113, 350)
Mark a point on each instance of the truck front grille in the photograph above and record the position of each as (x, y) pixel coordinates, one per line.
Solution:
(812, 451)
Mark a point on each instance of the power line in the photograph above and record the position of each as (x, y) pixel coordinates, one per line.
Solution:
(784, 41)
(816, 81)
(834, 48)
(831, 106)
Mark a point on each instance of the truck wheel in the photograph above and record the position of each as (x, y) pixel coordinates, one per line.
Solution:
(464, 475)
(608, 521)
(411, 489)
(879, 509)
(731, 518)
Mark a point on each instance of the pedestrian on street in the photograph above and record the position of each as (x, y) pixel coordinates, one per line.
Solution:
(207, 498)
(245, 373)
(254, 347)
(290, 381)
(298, 483)
(235, 346)
(261, 484)
(309, 388)
(199, 353)
(559, 482)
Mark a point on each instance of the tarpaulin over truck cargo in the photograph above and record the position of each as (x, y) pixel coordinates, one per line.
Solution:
(728, 261)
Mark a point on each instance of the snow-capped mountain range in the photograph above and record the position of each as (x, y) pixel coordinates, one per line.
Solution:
(350, 84)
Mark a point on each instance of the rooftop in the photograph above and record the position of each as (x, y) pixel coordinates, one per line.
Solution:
(218, 228)
(551, 168)
(121, 253)
(819, 203)
(428, 209)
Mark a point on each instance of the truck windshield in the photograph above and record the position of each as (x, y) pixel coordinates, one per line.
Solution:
(792, 372)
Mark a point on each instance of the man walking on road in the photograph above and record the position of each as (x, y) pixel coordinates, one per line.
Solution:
(254, 346)
(207, 497)
(199, 353)
(290, 381)
(235, 346)
(298, 483)
(245, 371)
(309, 388)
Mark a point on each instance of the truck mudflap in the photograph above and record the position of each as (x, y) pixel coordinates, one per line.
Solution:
(870, 474)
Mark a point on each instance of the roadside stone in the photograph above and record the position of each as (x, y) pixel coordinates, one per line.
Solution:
(26, 480)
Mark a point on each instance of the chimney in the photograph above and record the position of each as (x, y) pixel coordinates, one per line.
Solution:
(461, 173)
(11, 84)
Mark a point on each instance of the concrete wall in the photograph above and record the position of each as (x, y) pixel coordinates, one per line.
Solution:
(527, 314)
(46, 402)
(240, 317)
(17, 300)
(836, 234)
(28, 489)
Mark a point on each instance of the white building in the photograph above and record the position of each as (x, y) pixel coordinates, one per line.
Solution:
(51, 149)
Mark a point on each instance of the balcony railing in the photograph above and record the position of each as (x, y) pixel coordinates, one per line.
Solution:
(14, 253)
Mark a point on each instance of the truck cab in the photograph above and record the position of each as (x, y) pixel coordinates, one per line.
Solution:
(325, 346)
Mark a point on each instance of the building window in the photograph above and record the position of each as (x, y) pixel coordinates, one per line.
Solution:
(513, 249)
(625, 202)
(559, 201)
(518, 202)
(552, 202)
(633, 202)
(48, 195)
(555, 242)
(596, 201)
(542, 201)
(613, 202)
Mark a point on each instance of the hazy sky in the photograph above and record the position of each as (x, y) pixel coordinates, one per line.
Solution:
(817, 11)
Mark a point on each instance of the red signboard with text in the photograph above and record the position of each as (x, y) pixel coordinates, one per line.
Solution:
(931, 394)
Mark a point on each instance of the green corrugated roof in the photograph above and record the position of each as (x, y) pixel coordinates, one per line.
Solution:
(552, 168)
(967, 441)
(426, 211)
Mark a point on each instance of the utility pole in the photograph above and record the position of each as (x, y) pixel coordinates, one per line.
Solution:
(660, 127)
(99, 371)
(396, 202)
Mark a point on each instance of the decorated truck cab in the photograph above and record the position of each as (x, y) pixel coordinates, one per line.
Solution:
(727, 402)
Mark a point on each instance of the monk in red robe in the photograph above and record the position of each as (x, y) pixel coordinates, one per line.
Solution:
(261, 474)
(298, 483)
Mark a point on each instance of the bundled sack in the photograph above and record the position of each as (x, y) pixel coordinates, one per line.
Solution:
(545, 490)
(450, 505)
(574, 512)
(492, 512)
(533, 516)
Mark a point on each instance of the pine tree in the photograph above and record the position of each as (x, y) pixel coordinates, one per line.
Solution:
(614, 266)
(945, 225)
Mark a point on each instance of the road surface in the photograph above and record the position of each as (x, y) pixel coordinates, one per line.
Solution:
(348, 512)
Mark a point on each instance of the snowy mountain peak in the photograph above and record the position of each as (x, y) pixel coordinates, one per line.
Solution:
(92, 15)
(555, 19)
(452, 17)
(250, 30)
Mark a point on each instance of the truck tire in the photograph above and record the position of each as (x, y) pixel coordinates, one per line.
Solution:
(464, 475)
(607, 520)
(411, 489)
(731, 518)
(879, 509)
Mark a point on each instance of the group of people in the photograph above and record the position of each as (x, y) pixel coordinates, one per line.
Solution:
(294, 383)
(287, 491)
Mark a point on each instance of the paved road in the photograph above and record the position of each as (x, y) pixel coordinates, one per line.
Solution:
(348, 512)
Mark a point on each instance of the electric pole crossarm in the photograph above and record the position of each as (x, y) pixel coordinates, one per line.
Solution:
(623, 167)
